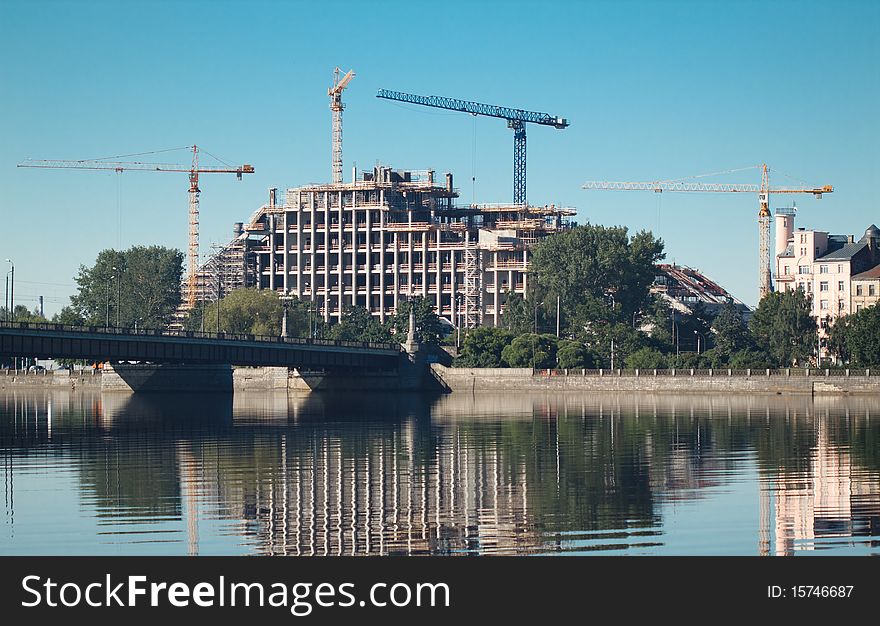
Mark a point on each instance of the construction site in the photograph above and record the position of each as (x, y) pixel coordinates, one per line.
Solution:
(387, 235)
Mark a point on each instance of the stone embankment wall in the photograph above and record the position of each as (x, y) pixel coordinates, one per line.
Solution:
(790, 381)
(62, 379)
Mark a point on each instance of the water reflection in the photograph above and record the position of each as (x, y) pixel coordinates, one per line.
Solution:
(90, 473)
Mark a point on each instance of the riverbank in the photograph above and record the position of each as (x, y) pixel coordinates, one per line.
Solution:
(62, 379)
(487, 380)
(785, 381)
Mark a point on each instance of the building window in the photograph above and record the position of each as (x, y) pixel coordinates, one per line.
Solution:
(872, 290)
(858, 290)
(787, 270)
(803, 269)
(823, 305)
(823, 286)
(823, 269)
(840, 286)
(858, 308)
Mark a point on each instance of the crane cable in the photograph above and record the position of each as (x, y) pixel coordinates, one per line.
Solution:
(474, 161)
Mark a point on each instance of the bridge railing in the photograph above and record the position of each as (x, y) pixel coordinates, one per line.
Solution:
(192, 334)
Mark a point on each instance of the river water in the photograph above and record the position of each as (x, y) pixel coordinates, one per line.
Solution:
(87, 473)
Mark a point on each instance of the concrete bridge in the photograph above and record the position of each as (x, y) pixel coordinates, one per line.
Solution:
(152, 350)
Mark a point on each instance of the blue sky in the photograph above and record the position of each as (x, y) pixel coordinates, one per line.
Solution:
(653, 90)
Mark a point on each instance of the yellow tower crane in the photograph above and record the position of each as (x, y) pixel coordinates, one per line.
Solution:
(763, 190)
(335, 93)
(193, 170)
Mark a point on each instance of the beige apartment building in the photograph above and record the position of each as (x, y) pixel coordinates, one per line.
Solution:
(865, 289)
(825, 267)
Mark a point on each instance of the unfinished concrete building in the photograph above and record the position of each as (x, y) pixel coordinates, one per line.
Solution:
(387, 236)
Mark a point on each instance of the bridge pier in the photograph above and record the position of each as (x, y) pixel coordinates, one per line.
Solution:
(167, 378)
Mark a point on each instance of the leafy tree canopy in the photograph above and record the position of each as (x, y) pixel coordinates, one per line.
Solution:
(482, 347)
(531, 350)
(251, 311)
(572, 354)
(646, 358)
(856, 338)
(358, 324)
(144, 287)
(782, 327)
(731, 332)
(598, 272)
(428, 327)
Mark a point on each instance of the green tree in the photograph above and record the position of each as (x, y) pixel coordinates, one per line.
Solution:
(749, 359)
(572, 354)
(482, 347)
(252, 311)
(646, 358)
(531, 350)
(731, 332)
(598, 272)
(20, 313)
(518, 315)
(144, 289)
(358, 324)
(855, 338)
(627, 340)
(783, 329)
(69, 316)
(428, 327)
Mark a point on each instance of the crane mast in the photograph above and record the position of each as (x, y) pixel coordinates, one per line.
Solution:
(193, 246)
(192, 171)
(516, 121)
(336, 106)
(763, 190)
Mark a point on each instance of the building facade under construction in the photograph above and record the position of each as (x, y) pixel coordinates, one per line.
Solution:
(388, 236)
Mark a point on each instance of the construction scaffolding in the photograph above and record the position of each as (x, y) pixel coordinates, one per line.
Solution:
(386, 236)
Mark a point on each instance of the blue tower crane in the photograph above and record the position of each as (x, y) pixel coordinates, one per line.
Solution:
(516, 120)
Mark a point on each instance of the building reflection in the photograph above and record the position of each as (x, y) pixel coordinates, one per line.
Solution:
(457, 474)
(831, 501)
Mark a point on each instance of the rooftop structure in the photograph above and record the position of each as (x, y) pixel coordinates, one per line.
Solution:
(686, 288)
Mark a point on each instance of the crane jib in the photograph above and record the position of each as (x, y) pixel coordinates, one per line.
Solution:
(476, 108)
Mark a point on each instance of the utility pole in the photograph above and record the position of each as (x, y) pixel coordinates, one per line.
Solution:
(118, 298)
(612, 353)
(11, 306)
(107, 293)
(558, 300)
(219, 298)
(458, 323)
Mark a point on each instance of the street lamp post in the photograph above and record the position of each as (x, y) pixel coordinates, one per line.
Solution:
(118, 297)
(535, 337)
(219, 298)
(558, 301)
(458, 322)
(10, 309)
(698, 335)
(107, 293)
